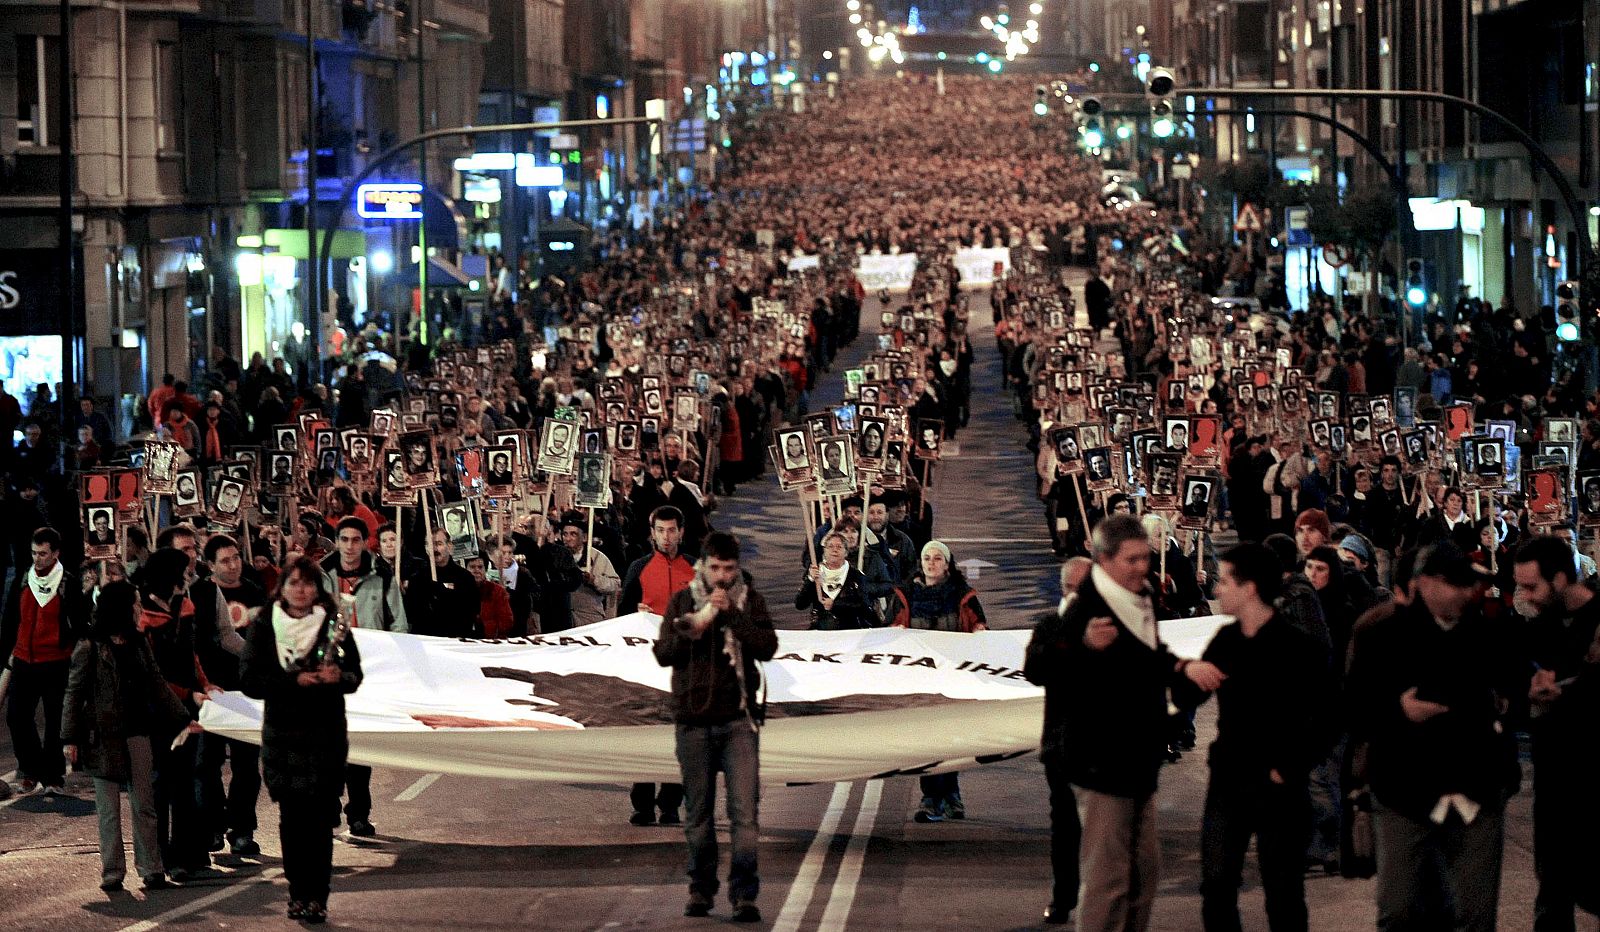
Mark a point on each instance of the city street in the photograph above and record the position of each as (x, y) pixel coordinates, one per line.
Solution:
(457, 853)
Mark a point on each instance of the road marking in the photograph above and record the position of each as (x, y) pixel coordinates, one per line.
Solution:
(855, 853)
(805, 879)
(210, 899)
(414, 790)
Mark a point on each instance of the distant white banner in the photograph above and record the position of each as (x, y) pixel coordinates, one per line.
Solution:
(800, 263)
(892, 272)
(592, 705)
(977, 265)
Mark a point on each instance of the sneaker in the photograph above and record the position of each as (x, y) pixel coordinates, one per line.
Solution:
(156, 881)
(929, 811)
(669, 817)
(55, 789)
(746, 911)
(297, 909)
(361, 828)
(314, 914)
(642, 818)
(954, 808)
(699, 906)
(27, 787)
(243, 845)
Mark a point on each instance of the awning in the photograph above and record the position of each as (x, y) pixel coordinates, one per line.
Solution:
(443, 273)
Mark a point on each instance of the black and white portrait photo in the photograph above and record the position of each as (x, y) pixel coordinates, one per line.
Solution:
(417, 448)
(1177, 435)
(594, 481)
(1097, 467)
(793, 451)
(558, 445)
(499, 473)
(102, 527)
(871, 439)
(1196, 497)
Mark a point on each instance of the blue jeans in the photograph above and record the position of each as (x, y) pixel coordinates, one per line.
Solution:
(733, 749)
(1327, 806)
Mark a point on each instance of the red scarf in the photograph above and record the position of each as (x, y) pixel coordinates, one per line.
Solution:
(213, 442)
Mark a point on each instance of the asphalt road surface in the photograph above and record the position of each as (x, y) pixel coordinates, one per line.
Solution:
(459, 853)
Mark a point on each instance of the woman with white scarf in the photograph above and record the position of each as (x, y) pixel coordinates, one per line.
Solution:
(833, 591)
(290, 664)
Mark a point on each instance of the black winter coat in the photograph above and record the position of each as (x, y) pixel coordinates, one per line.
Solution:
(1478, 669)
(705, 687)
(850, 607)
(1105, 711)
(95, 715)
(304, 743)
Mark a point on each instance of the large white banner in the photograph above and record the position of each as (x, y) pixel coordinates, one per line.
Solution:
(592, 704)
(977, 265)
(892, 272)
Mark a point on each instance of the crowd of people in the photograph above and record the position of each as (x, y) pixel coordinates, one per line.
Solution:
(1406, 594)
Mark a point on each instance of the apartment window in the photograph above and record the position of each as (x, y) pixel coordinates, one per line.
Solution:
(38, 89)
(165, 64)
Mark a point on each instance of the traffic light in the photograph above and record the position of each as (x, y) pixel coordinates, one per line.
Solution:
(1158, 87)
(1568, 329)
(1041, 101)
(1094, 134)
(1416, 284)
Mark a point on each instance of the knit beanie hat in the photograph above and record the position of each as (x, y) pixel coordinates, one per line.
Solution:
(1316, 519)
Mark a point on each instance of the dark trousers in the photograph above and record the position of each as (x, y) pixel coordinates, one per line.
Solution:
(941, 787)
(307, 842)
(734, 750)
(1563, 826)
(1066, 835)
(647, 800)
(1421, 864)
(32, 684)
(358, 790)
(1279, 816)
(232, 810)
(178, 822)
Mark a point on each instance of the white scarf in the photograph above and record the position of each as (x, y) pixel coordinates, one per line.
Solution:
(833, 580)
(296, 636)
(45, 589)
(1133, 609)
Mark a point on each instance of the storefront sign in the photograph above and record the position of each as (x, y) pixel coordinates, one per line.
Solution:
(31, 302)
(389, 201)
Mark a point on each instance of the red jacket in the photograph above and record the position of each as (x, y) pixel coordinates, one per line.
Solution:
(653, 580)
(494, 610)
(796, 371)
(731, 444)
(39, 639)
